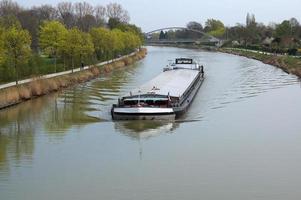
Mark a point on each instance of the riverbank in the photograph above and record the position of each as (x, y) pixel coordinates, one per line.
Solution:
(289, 64)
(40, 86)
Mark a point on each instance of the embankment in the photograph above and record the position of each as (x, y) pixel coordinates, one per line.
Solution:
(42, 86)
(289, 64)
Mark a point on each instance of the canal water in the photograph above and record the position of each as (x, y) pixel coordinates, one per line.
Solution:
(240, 139)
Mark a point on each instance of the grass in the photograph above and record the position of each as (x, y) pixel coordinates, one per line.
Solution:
(288, 63)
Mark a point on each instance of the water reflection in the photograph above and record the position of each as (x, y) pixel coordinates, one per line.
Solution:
(144, 129)
(18, 126)
(67, 110)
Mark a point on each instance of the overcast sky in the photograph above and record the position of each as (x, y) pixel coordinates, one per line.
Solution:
(153, 14)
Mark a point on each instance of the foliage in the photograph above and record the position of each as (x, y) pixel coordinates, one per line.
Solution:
(61, 37)
(16, 44)
(195, 26)
(215, 27)
(77, 45)
(52, 36)
(283, 29)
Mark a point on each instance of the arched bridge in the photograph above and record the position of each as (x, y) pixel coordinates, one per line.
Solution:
(202, 37)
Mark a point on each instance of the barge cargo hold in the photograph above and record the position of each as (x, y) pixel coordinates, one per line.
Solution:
(166, 96)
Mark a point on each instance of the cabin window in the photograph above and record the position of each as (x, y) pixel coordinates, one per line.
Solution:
(161, 103)
(130, 102)
(149, 102)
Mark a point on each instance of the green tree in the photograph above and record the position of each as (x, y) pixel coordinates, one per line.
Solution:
(52, 36)
(162, 35)
(215, 27)
(71, 45)
(2, 55)
(118, 42)
(86, 49)
(103, 42)
(77, 44)
(16, 43)
(284, 29)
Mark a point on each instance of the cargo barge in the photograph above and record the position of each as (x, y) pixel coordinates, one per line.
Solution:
(166, 96)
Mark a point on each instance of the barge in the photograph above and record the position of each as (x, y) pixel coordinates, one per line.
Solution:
(166, 96)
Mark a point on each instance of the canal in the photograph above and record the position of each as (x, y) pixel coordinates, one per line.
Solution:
(240, 139)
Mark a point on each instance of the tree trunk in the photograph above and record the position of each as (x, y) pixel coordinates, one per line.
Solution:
(64, 62)
(16, 74)
(55, 63)
(16, 71)
(72, 61)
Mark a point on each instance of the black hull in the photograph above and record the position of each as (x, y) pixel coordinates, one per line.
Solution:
(179, 111)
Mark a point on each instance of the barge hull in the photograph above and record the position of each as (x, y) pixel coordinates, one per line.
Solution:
(169, 116)
(142, 113)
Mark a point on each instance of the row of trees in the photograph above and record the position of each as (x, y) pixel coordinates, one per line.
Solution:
(281, 37)
(273, 37)
(81, 14)
(77, 46)
(60, 46)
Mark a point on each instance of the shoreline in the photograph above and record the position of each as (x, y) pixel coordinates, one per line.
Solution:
(40, 86)
(288, 64)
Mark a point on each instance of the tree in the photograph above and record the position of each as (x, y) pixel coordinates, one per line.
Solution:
(77, 44)
(45, 12)
(215, 27)
(284, 29)
(86, 46)
(116, 11)
(118, 42)
(66, 13)
(113, 23)
(29, 20)
(2, 55)
(100, 15)
(16, 43)
(71, 44)
(9, 8)
(250, 20)
(52, 36)
(195, 26)
(103, 42)
(162, 35)
(251, 34)
(295, 26)
(84, 15)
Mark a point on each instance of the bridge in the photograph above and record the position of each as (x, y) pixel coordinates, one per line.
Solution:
(202, 38)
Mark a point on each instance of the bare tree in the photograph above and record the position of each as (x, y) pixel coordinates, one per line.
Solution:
(66, 13)
(100, 15)
(84, 13)
(116, 11)
(9, 8)
(82, 9)
(46, 12)
(30, 21)
(87, 22)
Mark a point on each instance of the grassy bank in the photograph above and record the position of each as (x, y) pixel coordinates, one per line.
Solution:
(291, 65)
(17, 94)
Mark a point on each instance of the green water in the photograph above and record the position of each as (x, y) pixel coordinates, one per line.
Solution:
(240, 139)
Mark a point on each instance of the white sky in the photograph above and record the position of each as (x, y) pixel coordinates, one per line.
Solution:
(153, 14)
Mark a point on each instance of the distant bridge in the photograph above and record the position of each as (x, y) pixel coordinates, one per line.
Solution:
(204, 39)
